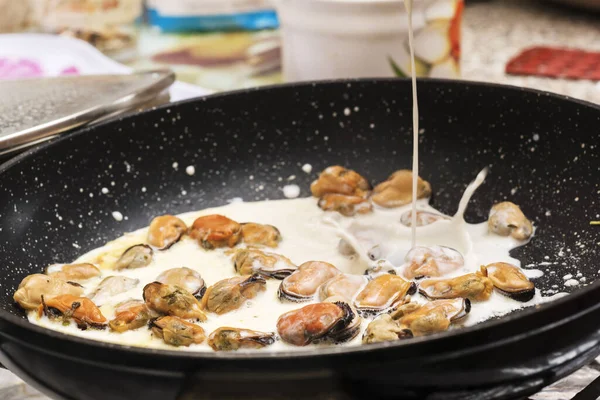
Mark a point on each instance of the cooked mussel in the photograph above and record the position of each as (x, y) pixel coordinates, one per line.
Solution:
(260, 234)
(337, 179)
(312, 322)
(213, 231)
(177, 332)
(230, 294)
(112, 286)
(73, 272)
(507, 219)
(137, 256)
(33, 287)
(344, 204)
(269, 265)
(165, 231)
(186, 278)
(68, 307)
(172, 300)
(423, 218)
(471, 286)
(383, 293)
(396, 191)
(303, 283)
(130, 315)
(343, 285)
(348, 332)
(381, 267)
(510, 281)
(407, 307)
(385, 329)
(431, 261)
(227, 339)
(345, 248)
(435, 316)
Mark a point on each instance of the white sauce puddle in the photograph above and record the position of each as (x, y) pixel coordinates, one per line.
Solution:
(308, 234)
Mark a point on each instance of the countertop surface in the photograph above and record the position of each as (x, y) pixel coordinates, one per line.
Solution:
(496, 31)
(493, 32)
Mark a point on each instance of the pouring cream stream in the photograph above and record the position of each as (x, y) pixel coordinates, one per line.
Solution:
(415, 164)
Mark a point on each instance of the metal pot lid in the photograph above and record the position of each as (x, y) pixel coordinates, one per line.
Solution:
(33, 110)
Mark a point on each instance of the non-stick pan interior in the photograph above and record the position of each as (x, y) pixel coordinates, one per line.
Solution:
(58, 201)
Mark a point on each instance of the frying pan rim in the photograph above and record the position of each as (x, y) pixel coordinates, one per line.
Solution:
(309, 353)
(81, 130)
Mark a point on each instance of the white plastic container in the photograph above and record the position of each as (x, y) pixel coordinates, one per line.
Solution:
(326, 39)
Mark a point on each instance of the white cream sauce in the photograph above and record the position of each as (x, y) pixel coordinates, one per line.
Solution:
(308, 234)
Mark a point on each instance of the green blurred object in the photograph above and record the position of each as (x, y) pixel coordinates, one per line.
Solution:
(397, 71)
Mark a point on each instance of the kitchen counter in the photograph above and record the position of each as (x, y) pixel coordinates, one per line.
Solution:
(496, 31)
(493, 32)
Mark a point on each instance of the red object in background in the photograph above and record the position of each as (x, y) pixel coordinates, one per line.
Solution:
(454, 31)
(552, 62)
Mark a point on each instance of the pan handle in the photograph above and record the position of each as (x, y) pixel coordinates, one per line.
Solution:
(228, 385)
(12, 365)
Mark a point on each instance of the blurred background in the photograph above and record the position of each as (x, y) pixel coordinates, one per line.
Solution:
(221, 45)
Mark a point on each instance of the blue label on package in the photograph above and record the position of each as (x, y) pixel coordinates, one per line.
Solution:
(264, 19)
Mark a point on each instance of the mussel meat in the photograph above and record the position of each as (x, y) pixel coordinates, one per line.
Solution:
(435, 316)
(345, 248)
(385, 329)
(73, 272)
(381, 267)
(269, 265)
(80, 309)
(260, 234)
(112, 286)
(312, 322)
(406, 308)
(172, 300)
(165, 231)
(130, 315)
(137, 256)
(471, 286)
(337, 179)
(177, 332)
(230, 294)
(33, 287)
(423, 218)
(510, 281)
(343, 285)
(227, 339)
(305, 281)
(507, 219)
(344, 204)
(396, 191)
(213, 231)
(383, 293)
(431, 261)
(186, 278)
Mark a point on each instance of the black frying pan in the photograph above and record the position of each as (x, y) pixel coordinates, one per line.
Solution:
(270, 133)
